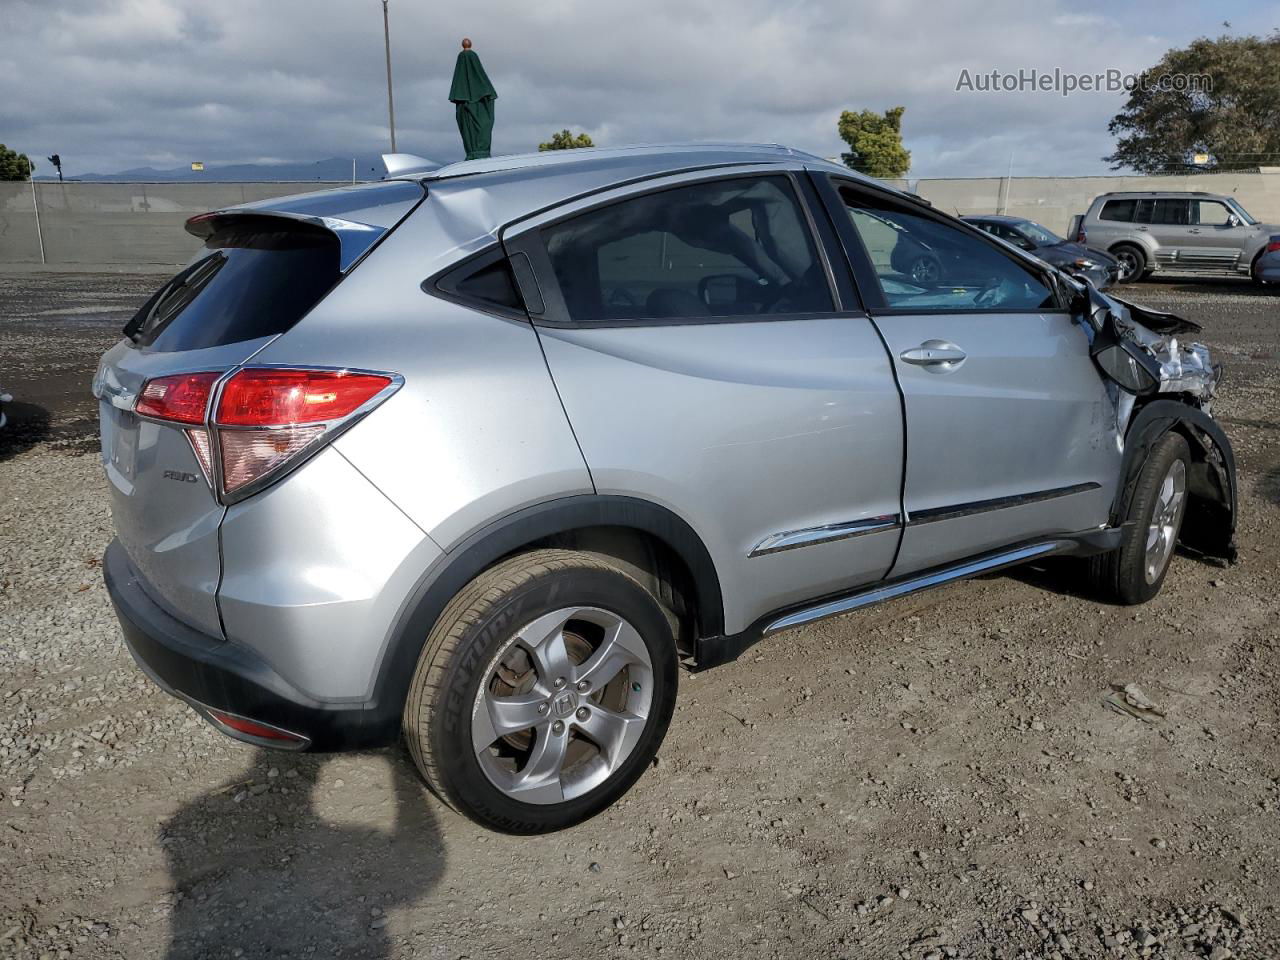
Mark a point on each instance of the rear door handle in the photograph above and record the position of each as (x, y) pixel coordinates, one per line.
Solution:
(933, 353)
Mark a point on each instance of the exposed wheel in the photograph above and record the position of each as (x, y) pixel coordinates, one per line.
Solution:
(925, 269)
(1135, 572)
(543, 691)
(1133, 262)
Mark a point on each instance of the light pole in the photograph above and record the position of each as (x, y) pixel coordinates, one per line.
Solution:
(391, 104)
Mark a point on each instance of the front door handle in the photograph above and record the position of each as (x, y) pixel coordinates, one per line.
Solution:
(934, 353)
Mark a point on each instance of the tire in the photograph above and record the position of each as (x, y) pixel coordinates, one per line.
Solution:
(487, 657)
(1127, 575)
(925, 269)
(1133, 262)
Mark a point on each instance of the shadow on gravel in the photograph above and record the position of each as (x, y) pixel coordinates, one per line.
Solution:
(28, 426)
(1064, 576)
(1269, 486)
(257, 872)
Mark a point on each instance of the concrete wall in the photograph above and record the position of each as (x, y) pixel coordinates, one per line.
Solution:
(1053, 201)
(116, 225)
(125, 226)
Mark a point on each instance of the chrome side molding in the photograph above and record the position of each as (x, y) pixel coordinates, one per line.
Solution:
(957, 510)
(915, 584)
(810, 536)
(777, 542)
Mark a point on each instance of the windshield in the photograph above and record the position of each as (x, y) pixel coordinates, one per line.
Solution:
(1244, 215)
(1038, 234)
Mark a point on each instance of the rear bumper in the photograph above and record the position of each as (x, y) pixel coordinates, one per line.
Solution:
(214, 674)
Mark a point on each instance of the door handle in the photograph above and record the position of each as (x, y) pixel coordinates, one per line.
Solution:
(933, 353)
(1194, 231)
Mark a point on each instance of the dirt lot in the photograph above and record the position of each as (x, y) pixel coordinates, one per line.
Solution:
(934, 778)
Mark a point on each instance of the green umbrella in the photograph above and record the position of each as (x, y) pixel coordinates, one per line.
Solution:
(473, 96)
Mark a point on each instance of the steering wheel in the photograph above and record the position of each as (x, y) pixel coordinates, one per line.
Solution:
(988, 295)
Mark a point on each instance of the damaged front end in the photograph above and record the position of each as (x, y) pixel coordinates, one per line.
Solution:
(1162, 384)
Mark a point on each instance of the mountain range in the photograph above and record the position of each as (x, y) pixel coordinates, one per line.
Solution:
(367, 167)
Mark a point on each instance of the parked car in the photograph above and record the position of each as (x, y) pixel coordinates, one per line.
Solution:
(476, 456)
(1185, 232)
(1269, 264)
(1100, 269)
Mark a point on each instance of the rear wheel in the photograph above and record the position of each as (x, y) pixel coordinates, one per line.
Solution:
(543, 692)
(1135, 572)
(1132, 261)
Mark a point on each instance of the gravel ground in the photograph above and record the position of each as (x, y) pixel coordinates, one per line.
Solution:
(935, 778)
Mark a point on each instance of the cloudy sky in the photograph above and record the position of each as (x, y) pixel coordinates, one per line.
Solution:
(117, 84)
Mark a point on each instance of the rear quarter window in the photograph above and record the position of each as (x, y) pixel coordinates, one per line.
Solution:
(1118, 210)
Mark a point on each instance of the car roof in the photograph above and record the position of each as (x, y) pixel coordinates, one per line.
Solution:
(1172, 194)
(657, 158)
(482, 196)
(996, 218)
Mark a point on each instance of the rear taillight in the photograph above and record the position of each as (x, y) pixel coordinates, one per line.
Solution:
(1080, 237)
(1274, 245)
(265, 417)
(180, 399)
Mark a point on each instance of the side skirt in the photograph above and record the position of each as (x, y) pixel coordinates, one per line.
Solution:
(714, 651)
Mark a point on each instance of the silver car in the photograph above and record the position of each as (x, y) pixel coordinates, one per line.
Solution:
(478, 456)
(1180, 232)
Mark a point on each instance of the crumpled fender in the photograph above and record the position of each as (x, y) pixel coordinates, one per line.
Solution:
(1209, 524)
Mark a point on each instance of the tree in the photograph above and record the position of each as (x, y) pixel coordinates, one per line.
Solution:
(13, 165)
(875, 142)
(564, 140)
(1217, 97)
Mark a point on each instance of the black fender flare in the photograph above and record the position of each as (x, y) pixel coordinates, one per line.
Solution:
(1210, 527)
(462, 563)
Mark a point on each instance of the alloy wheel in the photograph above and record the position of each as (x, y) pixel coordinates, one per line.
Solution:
(562, 705)
(1128, 264)
(1162, 532)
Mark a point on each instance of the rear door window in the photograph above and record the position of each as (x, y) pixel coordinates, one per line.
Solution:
(245, 284)
(1172, 213)
(726, 248)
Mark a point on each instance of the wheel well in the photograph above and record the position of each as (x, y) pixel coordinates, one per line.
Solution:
(1210, 520)
(651, 561)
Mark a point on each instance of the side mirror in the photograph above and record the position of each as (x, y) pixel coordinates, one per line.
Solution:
(1130, 367)
(1233, 220)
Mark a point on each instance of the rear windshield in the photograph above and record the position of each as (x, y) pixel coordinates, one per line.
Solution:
(243, 285)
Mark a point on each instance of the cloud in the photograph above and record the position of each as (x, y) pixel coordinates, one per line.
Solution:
(114, 84)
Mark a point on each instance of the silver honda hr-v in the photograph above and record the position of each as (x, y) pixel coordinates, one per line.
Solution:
(479, 455)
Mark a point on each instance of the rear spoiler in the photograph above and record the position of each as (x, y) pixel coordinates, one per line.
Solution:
(357, 216)
(353, 238)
